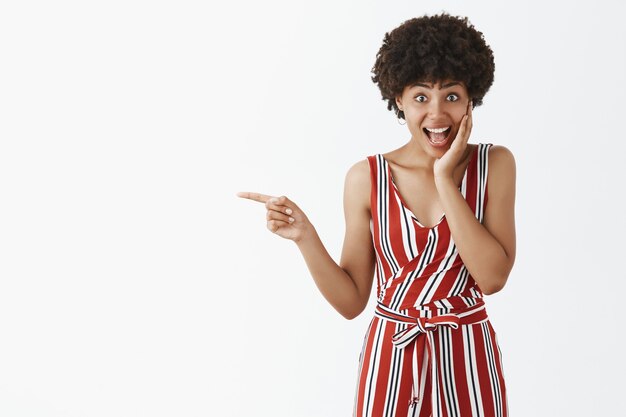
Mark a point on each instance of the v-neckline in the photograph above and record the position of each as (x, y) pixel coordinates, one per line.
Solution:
(406, 207)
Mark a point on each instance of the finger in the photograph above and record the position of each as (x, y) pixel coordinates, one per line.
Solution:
(460, 132)
(271, 202)
(468, 133)
(275, 215)
(282, 204)
(463, 134)
(467, 122)
(274, 225)
(463, 127)
(261, 198)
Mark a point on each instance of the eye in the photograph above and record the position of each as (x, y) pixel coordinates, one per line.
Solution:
(453, 95)
(418, 98)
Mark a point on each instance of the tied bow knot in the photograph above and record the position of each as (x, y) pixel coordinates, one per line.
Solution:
(416, 326)
(423, 325)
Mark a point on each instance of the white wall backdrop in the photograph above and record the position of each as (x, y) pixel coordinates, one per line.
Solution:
(133, 281)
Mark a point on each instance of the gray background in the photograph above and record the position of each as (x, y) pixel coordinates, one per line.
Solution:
(134, 282)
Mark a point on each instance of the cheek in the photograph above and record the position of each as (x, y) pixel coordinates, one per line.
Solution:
(417, 116)
(458, 117)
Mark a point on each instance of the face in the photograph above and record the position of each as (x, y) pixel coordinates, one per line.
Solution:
(435, 107)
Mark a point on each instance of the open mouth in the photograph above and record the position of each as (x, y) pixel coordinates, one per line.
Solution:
(438, 136)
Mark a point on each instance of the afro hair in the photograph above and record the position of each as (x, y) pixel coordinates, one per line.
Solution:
(433, 48)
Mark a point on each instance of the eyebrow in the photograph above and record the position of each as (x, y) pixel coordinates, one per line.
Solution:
(428, 86)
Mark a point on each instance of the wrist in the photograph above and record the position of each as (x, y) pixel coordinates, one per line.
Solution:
(444, 180)
(308, 235)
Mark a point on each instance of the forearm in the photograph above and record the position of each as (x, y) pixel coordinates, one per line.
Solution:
(481, 253)
(333, 282)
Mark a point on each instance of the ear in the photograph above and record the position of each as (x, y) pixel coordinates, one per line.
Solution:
(399, 103)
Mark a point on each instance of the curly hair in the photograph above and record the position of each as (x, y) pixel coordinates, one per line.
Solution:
(431, 49)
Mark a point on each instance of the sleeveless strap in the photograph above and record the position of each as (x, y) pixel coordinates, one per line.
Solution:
(482, 170)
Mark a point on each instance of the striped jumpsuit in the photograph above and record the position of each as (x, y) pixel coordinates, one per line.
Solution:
(430, 349)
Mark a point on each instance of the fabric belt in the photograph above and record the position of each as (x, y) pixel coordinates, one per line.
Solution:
(426, 325)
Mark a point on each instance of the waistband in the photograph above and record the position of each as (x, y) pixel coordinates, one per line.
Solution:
(422, 321)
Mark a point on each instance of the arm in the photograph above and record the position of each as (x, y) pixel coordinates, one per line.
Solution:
(346, 286)
(488, 249)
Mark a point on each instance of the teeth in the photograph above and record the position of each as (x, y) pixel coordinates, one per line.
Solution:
(443, 129)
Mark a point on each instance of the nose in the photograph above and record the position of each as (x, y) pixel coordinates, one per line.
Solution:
(435, 108)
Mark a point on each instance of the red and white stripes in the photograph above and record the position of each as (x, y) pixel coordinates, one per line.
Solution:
(430, 348)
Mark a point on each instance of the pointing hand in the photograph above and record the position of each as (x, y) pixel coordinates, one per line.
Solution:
(284, 217)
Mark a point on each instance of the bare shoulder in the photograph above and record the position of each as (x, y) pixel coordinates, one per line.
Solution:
(501, 175)
(501, 160)
(358, 185)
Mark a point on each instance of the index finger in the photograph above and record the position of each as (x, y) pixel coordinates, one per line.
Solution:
(261, 198)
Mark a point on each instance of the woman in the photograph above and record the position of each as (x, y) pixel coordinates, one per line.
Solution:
(430, 348)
